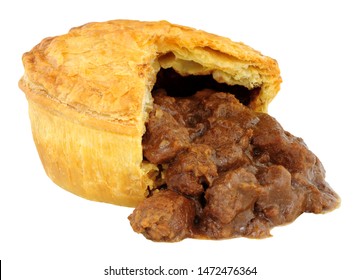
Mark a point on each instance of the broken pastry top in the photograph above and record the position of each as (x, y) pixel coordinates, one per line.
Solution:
(89, 94)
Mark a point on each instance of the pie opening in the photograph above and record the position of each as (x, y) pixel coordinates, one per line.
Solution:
(177, 85)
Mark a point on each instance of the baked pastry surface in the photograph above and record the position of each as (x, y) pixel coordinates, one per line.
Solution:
(89, 94)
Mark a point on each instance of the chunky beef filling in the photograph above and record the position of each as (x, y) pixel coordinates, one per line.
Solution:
(227, 171)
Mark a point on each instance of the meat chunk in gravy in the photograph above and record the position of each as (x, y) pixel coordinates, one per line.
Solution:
(228, 171)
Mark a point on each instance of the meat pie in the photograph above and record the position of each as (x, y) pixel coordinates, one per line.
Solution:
(172, 121)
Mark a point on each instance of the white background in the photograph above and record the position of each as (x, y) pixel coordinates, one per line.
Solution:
(48, 233)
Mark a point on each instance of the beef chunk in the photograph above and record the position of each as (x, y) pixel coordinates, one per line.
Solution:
(165, 137)
(192, 169)
(165, 216)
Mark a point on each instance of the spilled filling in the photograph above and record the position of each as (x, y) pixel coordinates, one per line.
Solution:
(226, 171)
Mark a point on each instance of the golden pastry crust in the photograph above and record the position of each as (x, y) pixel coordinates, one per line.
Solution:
(89, 94)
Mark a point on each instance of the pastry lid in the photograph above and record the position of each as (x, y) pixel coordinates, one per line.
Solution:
(102, 74)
